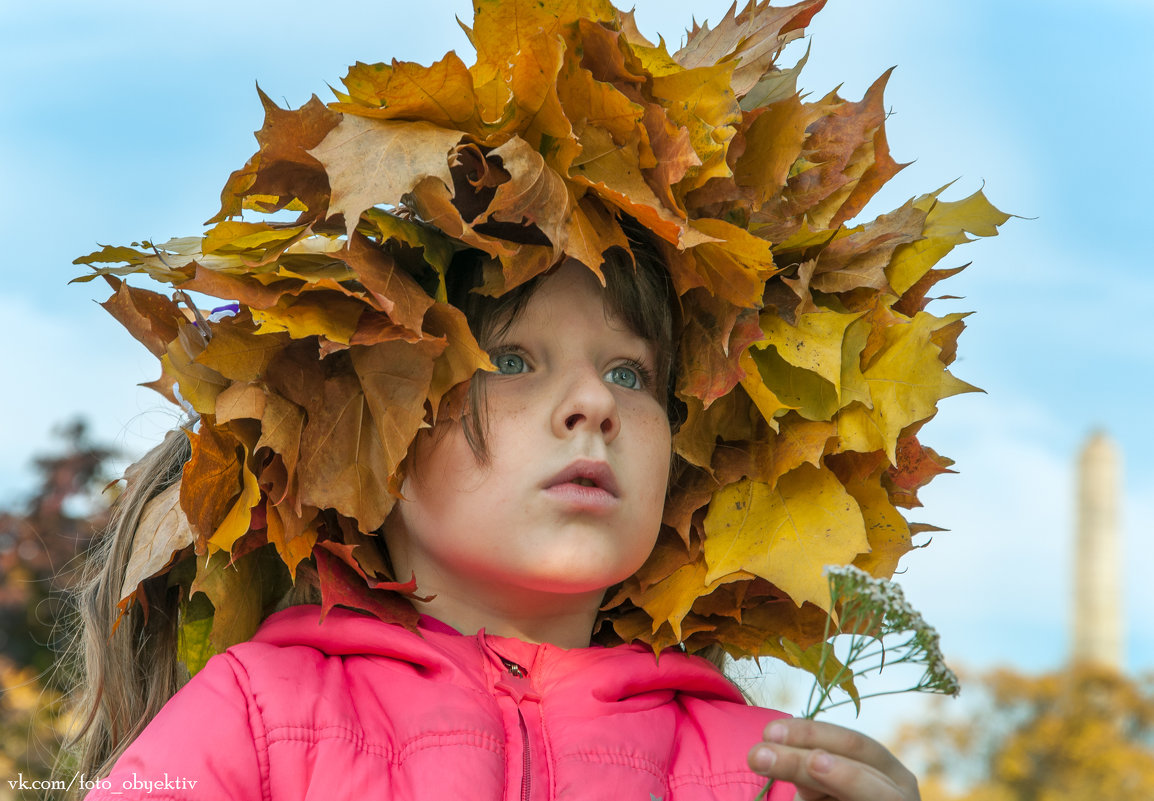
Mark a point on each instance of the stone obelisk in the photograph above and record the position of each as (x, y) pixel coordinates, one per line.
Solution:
(1097, 557)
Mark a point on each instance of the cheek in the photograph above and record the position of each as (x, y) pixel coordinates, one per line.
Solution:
(658, 439)
(655, 444)
(440, 465)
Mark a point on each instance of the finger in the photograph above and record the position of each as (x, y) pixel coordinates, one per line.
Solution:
(818, 774)
(837, 740)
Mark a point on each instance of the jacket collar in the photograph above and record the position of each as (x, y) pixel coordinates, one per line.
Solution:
(603, 675)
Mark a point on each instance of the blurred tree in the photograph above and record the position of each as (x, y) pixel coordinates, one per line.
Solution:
(1083, 732)
(41, 542)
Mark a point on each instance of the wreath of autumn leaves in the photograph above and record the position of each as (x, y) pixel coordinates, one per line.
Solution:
(807, 360)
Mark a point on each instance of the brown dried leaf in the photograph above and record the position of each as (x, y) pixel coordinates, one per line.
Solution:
(211, 480)
(342, 463)
(859, 258)
(397, 293)
(162, 533)
(754, 38)
(282, 170)
(151, 318)
(376, 162)
(395, 379)
(534, 194)
(593, 230)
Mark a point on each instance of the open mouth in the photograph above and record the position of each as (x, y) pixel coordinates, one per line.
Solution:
(587, 474)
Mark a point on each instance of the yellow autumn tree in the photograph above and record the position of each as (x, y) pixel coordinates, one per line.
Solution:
(41, 542)
(1079, 733)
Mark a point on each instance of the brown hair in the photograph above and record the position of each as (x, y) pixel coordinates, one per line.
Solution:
(126, 665)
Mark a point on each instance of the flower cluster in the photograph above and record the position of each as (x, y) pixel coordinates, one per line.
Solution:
(870, 610)
(882, 629)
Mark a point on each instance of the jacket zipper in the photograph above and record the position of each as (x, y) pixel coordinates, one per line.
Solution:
(526, 753)
(524, 758)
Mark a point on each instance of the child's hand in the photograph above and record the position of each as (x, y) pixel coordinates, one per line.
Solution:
(825, 761)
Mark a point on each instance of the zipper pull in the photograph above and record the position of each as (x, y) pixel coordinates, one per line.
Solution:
(514, 668)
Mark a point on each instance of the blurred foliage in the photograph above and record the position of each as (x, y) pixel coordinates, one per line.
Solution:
(41, 540)
(1080, 733)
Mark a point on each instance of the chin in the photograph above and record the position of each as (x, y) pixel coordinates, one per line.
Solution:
(565, 580)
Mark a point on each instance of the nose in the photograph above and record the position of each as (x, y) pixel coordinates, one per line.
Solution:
(587, 404)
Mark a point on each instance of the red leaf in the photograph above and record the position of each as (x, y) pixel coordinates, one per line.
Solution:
(341, 586)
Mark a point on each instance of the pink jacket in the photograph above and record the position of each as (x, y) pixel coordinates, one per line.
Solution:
(359, 709)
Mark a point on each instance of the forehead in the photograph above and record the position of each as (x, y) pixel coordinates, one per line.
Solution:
(570, 295)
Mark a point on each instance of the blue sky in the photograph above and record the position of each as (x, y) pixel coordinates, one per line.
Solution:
(128, 117)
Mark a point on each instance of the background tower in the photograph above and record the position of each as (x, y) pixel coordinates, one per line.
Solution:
(1097, 636)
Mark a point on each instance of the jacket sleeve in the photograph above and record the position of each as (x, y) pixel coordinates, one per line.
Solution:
(207, 742)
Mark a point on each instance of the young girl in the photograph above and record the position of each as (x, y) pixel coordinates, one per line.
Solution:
(516, 539)
(568, 369)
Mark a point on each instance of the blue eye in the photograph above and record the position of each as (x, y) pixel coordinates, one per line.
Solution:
(509, 364)
(624, 376)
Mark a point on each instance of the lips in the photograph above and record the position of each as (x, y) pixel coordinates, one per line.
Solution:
(587, 474)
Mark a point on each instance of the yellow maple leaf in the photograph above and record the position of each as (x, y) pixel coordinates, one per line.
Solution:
(538, 115)
(319, 314)
(461, 358)
(797, 442)
(906, 379)
(199, 385)
(947, 225)
(786, 533)
(292, 534)
(670, 600)
(773, 142)
(614, 172)
(762, 396)
(239, 353)
(237, 236)
(589, 101)
(702, 101)
(441, 93)
(238, 520)
(503, 28)
(814, 344)
(733, 263)
(887, 530)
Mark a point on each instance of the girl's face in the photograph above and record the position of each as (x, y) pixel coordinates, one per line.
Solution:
(571, 497)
